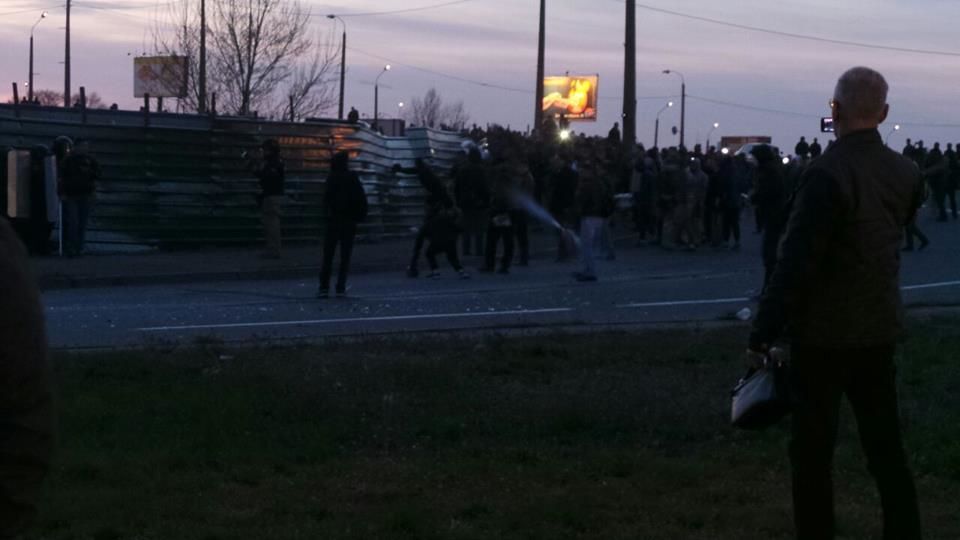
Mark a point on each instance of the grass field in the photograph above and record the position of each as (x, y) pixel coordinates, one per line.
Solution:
(599, 436)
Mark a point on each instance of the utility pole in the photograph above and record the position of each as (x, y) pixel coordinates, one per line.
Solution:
(202, 105)
(66, 62)
(343, 70)
(630, 83)
(538, 111)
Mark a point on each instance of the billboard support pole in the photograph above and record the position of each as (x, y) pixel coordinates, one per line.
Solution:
(146, 110)
(83, 105)
(16, 101)
(66, 62)
(630, 83)
(538, 111)
(202, 106)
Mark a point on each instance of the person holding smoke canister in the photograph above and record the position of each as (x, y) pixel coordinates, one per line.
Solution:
(835, 290)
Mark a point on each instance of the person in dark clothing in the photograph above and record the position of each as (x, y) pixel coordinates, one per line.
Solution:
(595, 203)
(769, 199)
(436, 200)
(802, 148)
(936, 172)
(78, 173)
(815, 149)
(734, 182)
(345, 203)
(26, 404)
(836, 293)
(499, 225)
(908, 150)
(562, 200)
(523, 184)
(270, 171)
(472, 194)
(953, 178)
(353, 116)
(613, 136)
(442, 233)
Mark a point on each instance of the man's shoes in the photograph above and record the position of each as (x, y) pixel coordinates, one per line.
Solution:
(269, 255)
(485, 270)
(433, 275)
(503, 270)
(924, 244)
(323, 292)
(582, 277)
(412, 272)
(342, 293)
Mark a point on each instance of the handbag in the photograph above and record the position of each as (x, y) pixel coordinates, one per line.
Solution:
(762, 397)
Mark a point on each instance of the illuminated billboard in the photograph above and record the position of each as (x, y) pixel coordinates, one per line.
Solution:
(160, 76)
(572, 96)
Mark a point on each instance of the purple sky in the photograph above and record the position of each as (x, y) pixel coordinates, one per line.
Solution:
(494, 41)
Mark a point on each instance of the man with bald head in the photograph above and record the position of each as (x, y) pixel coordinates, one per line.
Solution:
(835, 295)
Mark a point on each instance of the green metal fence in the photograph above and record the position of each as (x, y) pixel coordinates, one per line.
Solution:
(172, 181)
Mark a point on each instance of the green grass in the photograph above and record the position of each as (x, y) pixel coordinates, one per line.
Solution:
(600, 436)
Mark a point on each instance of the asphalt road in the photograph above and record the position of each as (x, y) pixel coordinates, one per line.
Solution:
(643, 286)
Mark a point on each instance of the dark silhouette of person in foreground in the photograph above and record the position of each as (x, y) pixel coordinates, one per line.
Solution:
(836, 292)
(26, 407)
(345, 203)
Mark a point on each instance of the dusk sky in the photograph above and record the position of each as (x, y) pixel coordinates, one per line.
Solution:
(494, 42)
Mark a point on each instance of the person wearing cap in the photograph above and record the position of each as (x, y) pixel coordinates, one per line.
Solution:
(77, 175)
(835, 292)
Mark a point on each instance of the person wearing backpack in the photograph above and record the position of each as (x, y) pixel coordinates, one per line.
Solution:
(345, 203)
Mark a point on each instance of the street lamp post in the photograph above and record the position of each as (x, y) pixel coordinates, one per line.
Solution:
(376, 96)
(709, 133)
(43, 16)
(400, 110)
(656, 125)
(343, 62)
(896, 127)
(683, 101)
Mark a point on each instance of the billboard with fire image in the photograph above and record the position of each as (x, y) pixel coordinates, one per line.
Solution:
(573, 96)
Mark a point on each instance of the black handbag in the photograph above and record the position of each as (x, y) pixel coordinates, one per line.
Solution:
(762, 397)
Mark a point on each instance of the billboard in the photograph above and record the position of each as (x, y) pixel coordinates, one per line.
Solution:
(160, 76)
(573, 96)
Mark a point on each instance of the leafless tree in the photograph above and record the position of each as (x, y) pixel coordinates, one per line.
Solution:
(259, 54)
(54, 98)
(430, 111)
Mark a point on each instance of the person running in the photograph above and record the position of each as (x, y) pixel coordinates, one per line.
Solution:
(442, 232)
(437, 199)
(346, 205)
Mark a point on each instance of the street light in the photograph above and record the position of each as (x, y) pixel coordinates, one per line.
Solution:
(709, 133)
(376, 96)
(896, 127)
(683, 101)
(43, 15)
(400, 110)
(656, 126)
(343, 61)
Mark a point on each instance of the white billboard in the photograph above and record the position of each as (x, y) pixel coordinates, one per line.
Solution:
(160, 76)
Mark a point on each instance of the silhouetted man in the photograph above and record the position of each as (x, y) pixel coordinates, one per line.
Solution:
(26, 411)
(815, 149)
(346, 205)
(353, 116)
(802, 148)
(835, 291)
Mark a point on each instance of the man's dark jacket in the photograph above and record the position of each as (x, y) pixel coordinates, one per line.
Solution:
(836, 283)
(26, 408)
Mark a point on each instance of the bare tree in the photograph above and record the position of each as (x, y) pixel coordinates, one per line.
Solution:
(431, 112)
(259, 55)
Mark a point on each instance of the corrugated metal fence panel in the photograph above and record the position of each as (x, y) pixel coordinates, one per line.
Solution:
(182, 180)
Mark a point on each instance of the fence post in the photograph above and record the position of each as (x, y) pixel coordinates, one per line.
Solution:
(16, 100)
(146, 110)
(83, 105)
(292, 114)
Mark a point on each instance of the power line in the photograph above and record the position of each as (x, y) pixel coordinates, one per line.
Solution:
(795, 35)
(752, 107)
(397, 11)
(31, 10)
